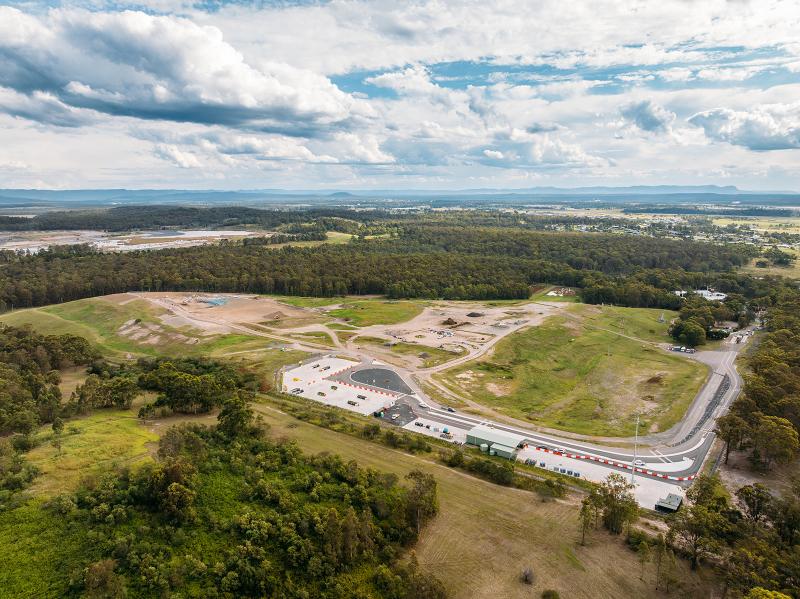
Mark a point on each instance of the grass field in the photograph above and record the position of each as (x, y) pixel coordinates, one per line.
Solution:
(90, 445)
(792, 272)
(584, 373)
(363, 313)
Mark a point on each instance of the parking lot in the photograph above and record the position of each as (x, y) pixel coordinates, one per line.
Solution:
(315, 380)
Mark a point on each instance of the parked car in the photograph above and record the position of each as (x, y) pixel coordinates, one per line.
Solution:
(361, 396)
(352, 403)
(395, 416)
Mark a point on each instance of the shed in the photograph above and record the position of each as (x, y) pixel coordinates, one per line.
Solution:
(504, 451)
(481, 434)
(669, 504)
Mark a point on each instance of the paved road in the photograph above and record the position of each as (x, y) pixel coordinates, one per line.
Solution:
(678, 453)
(685, 444)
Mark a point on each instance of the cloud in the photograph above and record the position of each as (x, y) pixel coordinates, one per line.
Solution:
(493, 154)
(764, 128)
(648, 116)
(165, 68)
(176, 156)
(43, 107)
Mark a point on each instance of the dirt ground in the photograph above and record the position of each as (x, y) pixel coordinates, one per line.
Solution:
(194, 310)
(737, 473)
(449, 324)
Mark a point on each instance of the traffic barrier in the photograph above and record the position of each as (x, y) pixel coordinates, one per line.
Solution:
(618, 465)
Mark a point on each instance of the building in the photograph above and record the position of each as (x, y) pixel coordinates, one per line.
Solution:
(669, 504)
(706, 294)
(501, 442)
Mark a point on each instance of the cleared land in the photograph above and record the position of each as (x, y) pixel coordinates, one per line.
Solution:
(124, 327)
(421, 355)
(586, 371)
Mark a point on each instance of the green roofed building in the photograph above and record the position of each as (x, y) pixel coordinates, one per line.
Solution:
(669, 504)
(500, 442)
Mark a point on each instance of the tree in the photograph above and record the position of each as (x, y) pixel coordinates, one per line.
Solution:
(619, 505)
(101, 582)
(690, 333)
(776, 440)
(645, 555)
(759, 593)
(696, 528)
(732, 429)
(422, 500)
(757, 502)
(236, 417)
(587, 515)
(659, 552)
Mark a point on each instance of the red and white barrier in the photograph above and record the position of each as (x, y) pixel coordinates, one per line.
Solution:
(618, 465)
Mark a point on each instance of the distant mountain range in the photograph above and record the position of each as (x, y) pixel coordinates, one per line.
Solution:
(639, 194)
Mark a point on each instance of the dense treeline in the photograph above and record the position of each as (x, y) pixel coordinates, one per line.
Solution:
(229, 512)
(125, 218)
(610, 254)
(754, 536)
(765, 419)
(447, 262)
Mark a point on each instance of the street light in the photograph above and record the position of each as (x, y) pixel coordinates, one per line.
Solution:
(635, 447)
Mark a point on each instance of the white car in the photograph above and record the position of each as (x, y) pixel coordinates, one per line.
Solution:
(639, 463)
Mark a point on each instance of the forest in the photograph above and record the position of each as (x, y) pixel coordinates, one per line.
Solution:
(419, 262)
(765, 419)
(127, 218)
(226, 511)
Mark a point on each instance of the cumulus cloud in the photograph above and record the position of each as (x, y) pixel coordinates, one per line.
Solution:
(648, 116)
(176, 156)
(764, 128)
(163, 67)
(43, 107)
(493, 154)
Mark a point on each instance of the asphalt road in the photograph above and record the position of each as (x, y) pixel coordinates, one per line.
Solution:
(678, 452)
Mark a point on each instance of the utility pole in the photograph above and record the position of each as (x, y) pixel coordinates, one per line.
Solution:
(635, 448)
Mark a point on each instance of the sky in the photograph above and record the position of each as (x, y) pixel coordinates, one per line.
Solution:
(395, 95)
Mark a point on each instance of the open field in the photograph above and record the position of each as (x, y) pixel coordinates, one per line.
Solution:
(771, 224)
(792, 271)
(364, 313)
(586, 372)
(478, 545)
(90, 445)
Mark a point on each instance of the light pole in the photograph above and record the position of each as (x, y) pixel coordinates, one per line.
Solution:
(635, 447)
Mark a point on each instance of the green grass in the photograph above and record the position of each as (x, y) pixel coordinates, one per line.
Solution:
(314, 337)
(90, 445)
(364, 313)
(569, 375)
